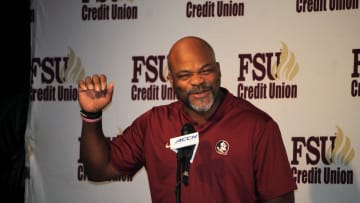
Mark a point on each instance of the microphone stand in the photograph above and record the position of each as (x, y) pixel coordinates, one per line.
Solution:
(183, 157)
(180, 157)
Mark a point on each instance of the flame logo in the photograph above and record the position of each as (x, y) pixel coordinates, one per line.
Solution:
(287, 68)
(166, 72)
(342, 153)
(120, 131)
(72, 73)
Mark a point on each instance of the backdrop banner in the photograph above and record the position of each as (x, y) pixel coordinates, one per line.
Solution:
(298, 60)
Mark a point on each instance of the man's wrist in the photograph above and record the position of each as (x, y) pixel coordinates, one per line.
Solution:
(90, 117)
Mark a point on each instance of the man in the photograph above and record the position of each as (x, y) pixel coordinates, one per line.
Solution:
(252, 168)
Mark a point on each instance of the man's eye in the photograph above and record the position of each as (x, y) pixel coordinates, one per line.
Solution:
(207, 71)
(184, 76)
(203, 72)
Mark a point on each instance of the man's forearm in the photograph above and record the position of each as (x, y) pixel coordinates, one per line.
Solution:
(94, 150)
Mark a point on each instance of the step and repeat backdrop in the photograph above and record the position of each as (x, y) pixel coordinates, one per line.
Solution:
(297, 60)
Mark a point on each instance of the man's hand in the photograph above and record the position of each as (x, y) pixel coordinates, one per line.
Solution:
(94, 93)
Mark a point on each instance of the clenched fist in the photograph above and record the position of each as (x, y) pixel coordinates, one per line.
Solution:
(94, 93)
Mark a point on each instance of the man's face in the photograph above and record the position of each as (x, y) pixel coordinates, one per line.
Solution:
(195, 76)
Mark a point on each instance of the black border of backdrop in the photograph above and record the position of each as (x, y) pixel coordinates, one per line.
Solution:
(14, 102)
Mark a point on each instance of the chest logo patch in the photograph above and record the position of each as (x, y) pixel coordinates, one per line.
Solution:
(222, 147)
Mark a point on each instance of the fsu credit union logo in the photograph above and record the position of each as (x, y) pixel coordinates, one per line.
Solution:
(327, 159)
(355, 75)
(83, 177)
(149, 80)
(214, 9)
(54, 78)
(269, 75)
(105, 10)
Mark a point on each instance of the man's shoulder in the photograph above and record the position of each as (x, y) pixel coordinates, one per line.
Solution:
(167, 107)
(158, 114)
(243, 106)
(162, 110)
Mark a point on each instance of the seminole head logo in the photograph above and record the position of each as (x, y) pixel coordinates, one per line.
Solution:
(222, 147)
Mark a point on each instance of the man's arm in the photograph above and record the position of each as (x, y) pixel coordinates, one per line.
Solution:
(94, 96)
(95, 154)
(286, 198)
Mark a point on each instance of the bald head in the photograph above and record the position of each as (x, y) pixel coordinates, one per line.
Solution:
(195, 76)
(189, 48)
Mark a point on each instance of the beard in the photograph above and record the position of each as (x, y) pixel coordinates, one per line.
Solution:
(201, 105)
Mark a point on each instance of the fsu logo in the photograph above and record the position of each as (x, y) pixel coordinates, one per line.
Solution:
(222, 147)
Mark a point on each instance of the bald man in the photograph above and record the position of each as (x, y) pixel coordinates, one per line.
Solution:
(240, 157)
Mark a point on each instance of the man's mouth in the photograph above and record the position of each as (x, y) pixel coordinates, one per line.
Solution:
(200, 94)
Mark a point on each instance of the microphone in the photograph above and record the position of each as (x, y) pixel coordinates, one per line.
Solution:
(188, 138)
(185, 146)
(188, 152)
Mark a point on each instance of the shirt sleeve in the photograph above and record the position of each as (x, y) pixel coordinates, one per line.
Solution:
(126, 150)
(272, 169)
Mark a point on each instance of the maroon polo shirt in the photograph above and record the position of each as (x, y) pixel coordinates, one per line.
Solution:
(240, 158)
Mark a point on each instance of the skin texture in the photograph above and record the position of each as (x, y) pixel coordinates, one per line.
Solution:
(195, 76)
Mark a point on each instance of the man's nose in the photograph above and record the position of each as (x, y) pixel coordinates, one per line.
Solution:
(196, 79)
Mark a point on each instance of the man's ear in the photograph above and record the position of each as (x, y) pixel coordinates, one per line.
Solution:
(218, 67)
(170, 79)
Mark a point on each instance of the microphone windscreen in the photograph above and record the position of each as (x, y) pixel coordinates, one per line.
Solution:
(187, 129)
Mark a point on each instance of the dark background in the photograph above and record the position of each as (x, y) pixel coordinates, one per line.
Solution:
(14, 102)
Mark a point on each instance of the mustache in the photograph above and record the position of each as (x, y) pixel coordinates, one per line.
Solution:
(199, 89)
